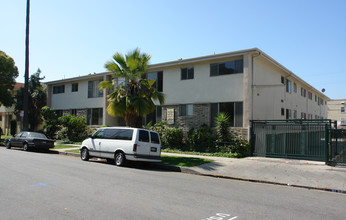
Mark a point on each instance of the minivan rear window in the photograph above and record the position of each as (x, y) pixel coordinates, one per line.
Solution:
(118, 134)
(143, 136)
(154, 138)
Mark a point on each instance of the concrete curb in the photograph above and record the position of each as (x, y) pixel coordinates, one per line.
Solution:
(189, 171)
(66, 153)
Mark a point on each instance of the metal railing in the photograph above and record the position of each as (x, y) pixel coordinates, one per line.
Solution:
(337, 150)
(296, 139)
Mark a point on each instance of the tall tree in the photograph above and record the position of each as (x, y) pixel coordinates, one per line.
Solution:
(37, 99)
(136, 97)
(8, 74)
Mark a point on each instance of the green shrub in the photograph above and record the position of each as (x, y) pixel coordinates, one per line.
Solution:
(172, 137)
(222, 124)
(201, 140)
(50, 119)
(62, 134)
(74, 128)
(238, 147)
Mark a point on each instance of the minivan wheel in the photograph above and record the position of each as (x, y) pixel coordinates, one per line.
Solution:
(25, 147)
(84, 154)
(120, 159)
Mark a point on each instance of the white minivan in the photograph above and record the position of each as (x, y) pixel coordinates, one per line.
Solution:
(121, 144)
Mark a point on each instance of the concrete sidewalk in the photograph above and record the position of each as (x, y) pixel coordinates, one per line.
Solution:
(299, 173)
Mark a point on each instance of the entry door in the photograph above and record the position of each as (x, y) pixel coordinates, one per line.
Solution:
(143, 146)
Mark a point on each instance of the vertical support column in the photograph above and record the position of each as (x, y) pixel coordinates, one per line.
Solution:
(105, 102)
(247, 91)
(49, 95)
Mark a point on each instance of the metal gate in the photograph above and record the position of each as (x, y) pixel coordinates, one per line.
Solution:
(296, 139)
(337, 149)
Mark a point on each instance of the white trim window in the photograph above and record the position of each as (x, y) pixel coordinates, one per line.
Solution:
(186, 110)
(288, 86)
(187, 73)
(93, 89)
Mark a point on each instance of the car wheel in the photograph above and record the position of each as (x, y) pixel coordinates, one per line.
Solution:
(26, 147)
(84, 154)
(8, 145)
(120, 159)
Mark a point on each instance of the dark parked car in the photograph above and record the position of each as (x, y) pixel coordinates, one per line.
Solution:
(28, 140)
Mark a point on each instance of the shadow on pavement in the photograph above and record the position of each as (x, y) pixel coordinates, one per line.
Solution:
(210, 166)
(32, 150)
(140, 165)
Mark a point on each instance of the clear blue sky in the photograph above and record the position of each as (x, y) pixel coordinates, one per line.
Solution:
(70, 38)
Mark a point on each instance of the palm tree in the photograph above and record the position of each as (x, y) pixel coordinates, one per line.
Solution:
(135, 98)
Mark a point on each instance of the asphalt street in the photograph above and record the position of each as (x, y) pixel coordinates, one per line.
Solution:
(37, 185)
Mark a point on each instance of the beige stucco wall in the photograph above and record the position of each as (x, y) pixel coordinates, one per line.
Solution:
(334, 110)
(75, 100)
(203, 88)
(269, 94)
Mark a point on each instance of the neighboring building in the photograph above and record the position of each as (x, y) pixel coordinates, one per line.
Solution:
(337, 110)
(7, 114)
(247, 84)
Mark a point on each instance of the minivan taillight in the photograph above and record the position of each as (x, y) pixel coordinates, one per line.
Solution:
(135, 147)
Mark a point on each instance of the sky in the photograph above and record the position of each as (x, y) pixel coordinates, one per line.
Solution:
(71, 38)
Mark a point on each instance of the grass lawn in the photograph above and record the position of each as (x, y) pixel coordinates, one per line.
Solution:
(217, 154)
(67, 142)
(64, 146)
(173, 160)
(73, 151)
(183, 161)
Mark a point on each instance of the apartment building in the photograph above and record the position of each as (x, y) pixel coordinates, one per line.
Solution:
(246, 84)
(336, 110)
(7, 113)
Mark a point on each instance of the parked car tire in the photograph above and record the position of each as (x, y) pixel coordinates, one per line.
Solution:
(8, 145)
(84, 154)
(26, 147)
(120, 159)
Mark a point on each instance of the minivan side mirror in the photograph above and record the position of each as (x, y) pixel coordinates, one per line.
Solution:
(90, 136)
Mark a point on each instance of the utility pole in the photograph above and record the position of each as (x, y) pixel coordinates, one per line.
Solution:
(26, 76)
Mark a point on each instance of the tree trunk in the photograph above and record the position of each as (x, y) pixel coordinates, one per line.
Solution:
(131, 120)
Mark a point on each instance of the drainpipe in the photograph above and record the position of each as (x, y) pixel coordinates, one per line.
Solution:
(252, 79)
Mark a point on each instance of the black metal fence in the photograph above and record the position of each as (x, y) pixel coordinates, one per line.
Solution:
(296, 139)
(337, 149)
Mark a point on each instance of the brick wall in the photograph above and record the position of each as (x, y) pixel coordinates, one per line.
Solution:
(201, 116)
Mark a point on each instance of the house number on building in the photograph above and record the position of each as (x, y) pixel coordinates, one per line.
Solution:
(170, 116)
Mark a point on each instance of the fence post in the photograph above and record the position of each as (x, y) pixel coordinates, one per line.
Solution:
(252, 138)
(326, 144)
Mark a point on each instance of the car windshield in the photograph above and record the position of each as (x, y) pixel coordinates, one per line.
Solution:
(36, 135)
